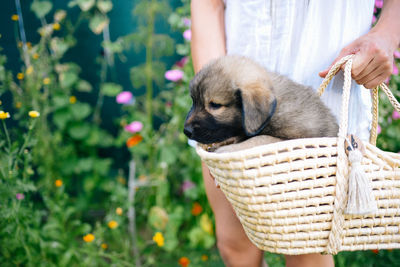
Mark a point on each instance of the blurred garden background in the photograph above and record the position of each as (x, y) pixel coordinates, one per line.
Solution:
(94, 167)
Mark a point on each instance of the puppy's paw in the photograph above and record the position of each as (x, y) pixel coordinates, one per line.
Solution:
(214, 146)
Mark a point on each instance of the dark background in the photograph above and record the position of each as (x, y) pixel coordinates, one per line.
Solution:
(87, 48)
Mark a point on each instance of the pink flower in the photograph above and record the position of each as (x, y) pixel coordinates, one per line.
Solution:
(396, 54)
(125, 97)
(20, 196)
(187, 22)
(373, 19)
(181, 63)
(187, 35)
(134, 127)
(378, 130)
(396, 115)
(174, 75)
(187, 185)
(379, 3)
(395, 69)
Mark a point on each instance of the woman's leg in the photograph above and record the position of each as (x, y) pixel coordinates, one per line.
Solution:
(309, 260)
(234, 246)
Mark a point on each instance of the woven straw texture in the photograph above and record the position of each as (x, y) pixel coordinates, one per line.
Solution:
(290, 196)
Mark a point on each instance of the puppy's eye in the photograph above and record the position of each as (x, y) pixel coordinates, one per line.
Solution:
(214, 105)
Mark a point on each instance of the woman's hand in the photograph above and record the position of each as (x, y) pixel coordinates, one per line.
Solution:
(373, 60)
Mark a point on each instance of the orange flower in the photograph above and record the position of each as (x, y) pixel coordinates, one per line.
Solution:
(159, 239)
(119, 211)
(121, 180)
(196, 209)
(134, 140)
(113, 224)
(88, 238)
(204, 257)
(184, 262)
(104, 246)
(376, 251)
(58, 183)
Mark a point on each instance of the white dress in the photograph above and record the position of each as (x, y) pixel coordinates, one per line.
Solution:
(300, 38)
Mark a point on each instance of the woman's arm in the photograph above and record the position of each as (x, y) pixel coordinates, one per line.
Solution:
(208, 31)
(373, 61)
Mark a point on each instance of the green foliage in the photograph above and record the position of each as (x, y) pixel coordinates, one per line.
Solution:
(62, 201)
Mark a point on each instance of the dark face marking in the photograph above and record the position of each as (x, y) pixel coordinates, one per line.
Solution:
(204, 127)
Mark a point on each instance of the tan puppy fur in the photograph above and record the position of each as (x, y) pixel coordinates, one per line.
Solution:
(234, 98)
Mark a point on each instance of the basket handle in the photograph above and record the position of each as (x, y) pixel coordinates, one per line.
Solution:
(347, 60)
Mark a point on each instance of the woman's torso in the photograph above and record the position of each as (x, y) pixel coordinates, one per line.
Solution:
(301, 38)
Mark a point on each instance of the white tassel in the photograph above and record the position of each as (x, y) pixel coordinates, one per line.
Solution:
(361, 199)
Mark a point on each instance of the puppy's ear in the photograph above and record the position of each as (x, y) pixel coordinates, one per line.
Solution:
(258, 106)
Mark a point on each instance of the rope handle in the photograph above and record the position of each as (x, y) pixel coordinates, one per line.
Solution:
(342, 174)
(347, 60)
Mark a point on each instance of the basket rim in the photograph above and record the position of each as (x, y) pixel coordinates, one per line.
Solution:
(315, 141)
(281, 145)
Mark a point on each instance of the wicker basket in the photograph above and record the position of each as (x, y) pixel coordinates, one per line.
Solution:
(290, 196)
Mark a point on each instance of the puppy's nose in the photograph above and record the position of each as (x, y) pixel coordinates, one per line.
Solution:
(188, 131)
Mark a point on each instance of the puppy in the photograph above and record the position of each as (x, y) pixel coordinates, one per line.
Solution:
(234, 99)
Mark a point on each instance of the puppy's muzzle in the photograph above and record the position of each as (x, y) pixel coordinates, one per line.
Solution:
(188, 130)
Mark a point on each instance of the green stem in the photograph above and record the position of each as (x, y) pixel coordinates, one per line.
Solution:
(109, 256)
(10, 163)
(103, 76)
(100, 97)
(149, 66)
(25, 141)
(149, 80)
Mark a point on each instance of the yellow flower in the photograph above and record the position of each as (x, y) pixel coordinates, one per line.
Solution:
(35, 56)
(14, 17)
(4, 115)
(104, 246)
(58, 183)
(113, 224)
(29, 45)
(18, 105)
(119, 211)
(206, 224)
(88, 238)
(29, 70)
(159, 239)
(46, 81)
(33, 114)
(20, 76)
(204, 257)
(56, 26)
(72, 99)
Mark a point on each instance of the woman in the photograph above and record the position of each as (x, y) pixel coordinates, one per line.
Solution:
(298, 39)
